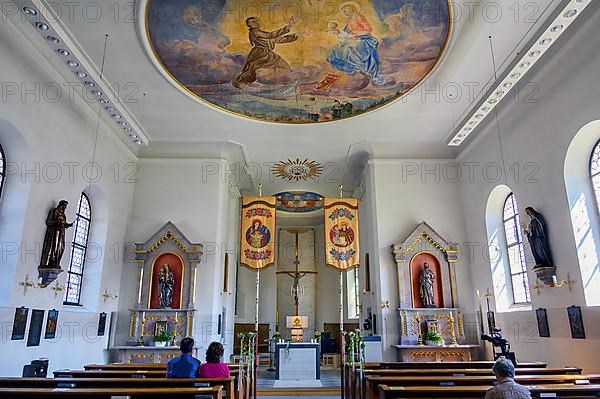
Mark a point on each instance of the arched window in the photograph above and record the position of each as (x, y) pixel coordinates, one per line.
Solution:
(516, 251)
(2, 169)
(78, 250)
(595, 172)
(353, 293)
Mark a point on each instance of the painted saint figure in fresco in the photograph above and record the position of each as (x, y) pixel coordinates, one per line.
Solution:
(262, 54)
(357, 51)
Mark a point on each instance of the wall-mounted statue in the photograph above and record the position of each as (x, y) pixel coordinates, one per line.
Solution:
(537, 235)
(166, 282)
(426, 286)
(53, 247)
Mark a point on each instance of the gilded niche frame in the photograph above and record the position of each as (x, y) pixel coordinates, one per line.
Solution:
(424, 239)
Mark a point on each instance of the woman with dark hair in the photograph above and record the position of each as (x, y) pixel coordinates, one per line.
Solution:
(214, 368)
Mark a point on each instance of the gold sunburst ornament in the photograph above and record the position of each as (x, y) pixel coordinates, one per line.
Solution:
(297, 170)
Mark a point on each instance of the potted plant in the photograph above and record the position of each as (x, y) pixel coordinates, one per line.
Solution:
(162, 339)
(432, 338)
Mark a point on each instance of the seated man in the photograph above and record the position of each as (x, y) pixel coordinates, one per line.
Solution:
(507, 388)
(185, 366)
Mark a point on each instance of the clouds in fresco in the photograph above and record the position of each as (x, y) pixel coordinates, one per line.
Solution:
(205, 52)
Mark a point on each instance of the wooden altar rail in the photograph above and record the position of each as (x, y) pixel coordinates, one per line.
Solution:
(13, 382)
(373, 383)
(478, 391)
(353, 384)
(138, 366)
(108, 393)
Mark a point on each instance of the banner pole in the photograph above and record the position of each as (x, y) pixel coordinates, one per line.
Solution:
(256, 338)
(256, 358)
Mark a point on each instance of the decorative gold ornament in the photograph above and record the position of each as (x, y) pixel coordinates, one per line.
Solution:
(106, 295)
(57, 288)
(27, 283)
(297, 170)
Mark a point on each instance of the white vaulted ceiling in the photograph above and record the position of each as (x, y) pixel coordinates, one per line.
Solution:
(415, 126)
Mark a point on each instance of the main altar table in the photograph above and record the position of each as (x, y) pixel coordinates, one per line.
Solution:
(298, 361)
(426, 353)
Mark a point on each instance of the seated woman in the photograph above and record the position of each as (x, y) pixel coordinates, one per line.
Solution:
(214, 368)
(357, 52)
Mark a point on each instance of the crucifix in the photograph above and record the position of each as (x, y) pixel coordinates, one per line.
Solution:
(297, 274)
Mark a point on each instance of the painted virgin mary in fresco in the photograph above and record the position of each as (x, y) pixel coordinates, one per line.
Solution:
(357, 51)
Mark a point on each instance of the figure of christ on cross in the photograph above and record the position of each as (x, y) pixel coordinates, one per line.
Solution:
(297, 275)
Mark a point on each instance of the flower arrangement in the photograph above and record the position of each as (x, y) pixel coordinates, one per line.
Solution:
(434, 339)
(162, 338)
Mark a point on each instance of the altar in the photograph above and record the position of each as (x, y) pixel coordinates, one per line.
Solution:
(163, 312)
(298, 361)
(430, 321)
(423, 353)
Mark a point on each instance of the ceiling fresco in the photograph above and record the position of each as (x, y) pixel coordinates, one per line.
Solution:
(297, 61)
(299, 201)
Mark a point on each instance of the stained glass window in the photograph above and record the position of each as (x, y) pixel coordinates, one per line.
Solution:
(516, 251)
(78, 251)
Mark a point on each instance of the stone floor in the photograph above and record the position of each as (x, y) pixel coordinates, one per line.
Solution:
(329, 378)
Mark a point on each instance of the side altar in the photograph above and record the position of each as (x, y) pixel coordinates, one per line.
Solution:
(164, 310)
(430, 319)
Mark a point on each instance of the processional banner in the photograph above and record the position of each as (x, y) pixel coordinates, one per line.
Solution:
(257, 245)
(341, 233)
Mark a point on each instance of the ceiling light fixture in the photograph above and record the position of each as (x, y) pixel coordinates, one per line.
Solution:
(543, 42)
(30, 11)
(52, 39)
(43, 18)
(42, 26)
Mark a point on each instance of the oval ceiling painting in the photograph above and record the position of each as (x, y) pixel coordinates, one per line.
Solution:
(298, 61)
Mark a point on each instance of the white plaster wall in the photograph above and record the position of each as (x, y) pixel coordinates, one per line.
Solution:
(408, 192)
(198, 201)
(535, 138)
(48, 141)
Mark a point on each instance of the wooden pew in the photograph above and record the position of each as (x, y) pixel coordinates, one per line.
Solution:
(137, 366)
(118, 373)
(476, 364)
(349, 380)
(373, 382)
(356, 387)
(107, 393)
(478, 391)
(227, 383)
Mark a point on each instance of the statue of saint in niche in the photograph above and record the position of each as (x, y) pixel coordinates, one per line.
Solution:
(426, 286)
(537, 235)
(54, 240)
(166, 281)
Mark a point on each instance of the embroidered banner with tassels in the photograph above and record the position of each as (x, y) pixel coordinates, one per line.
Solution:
(341, 233)
(257, 239)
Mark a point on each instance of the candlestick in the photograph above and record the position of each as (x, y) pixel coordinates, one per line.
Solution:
(420, 339)
(454, 342)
